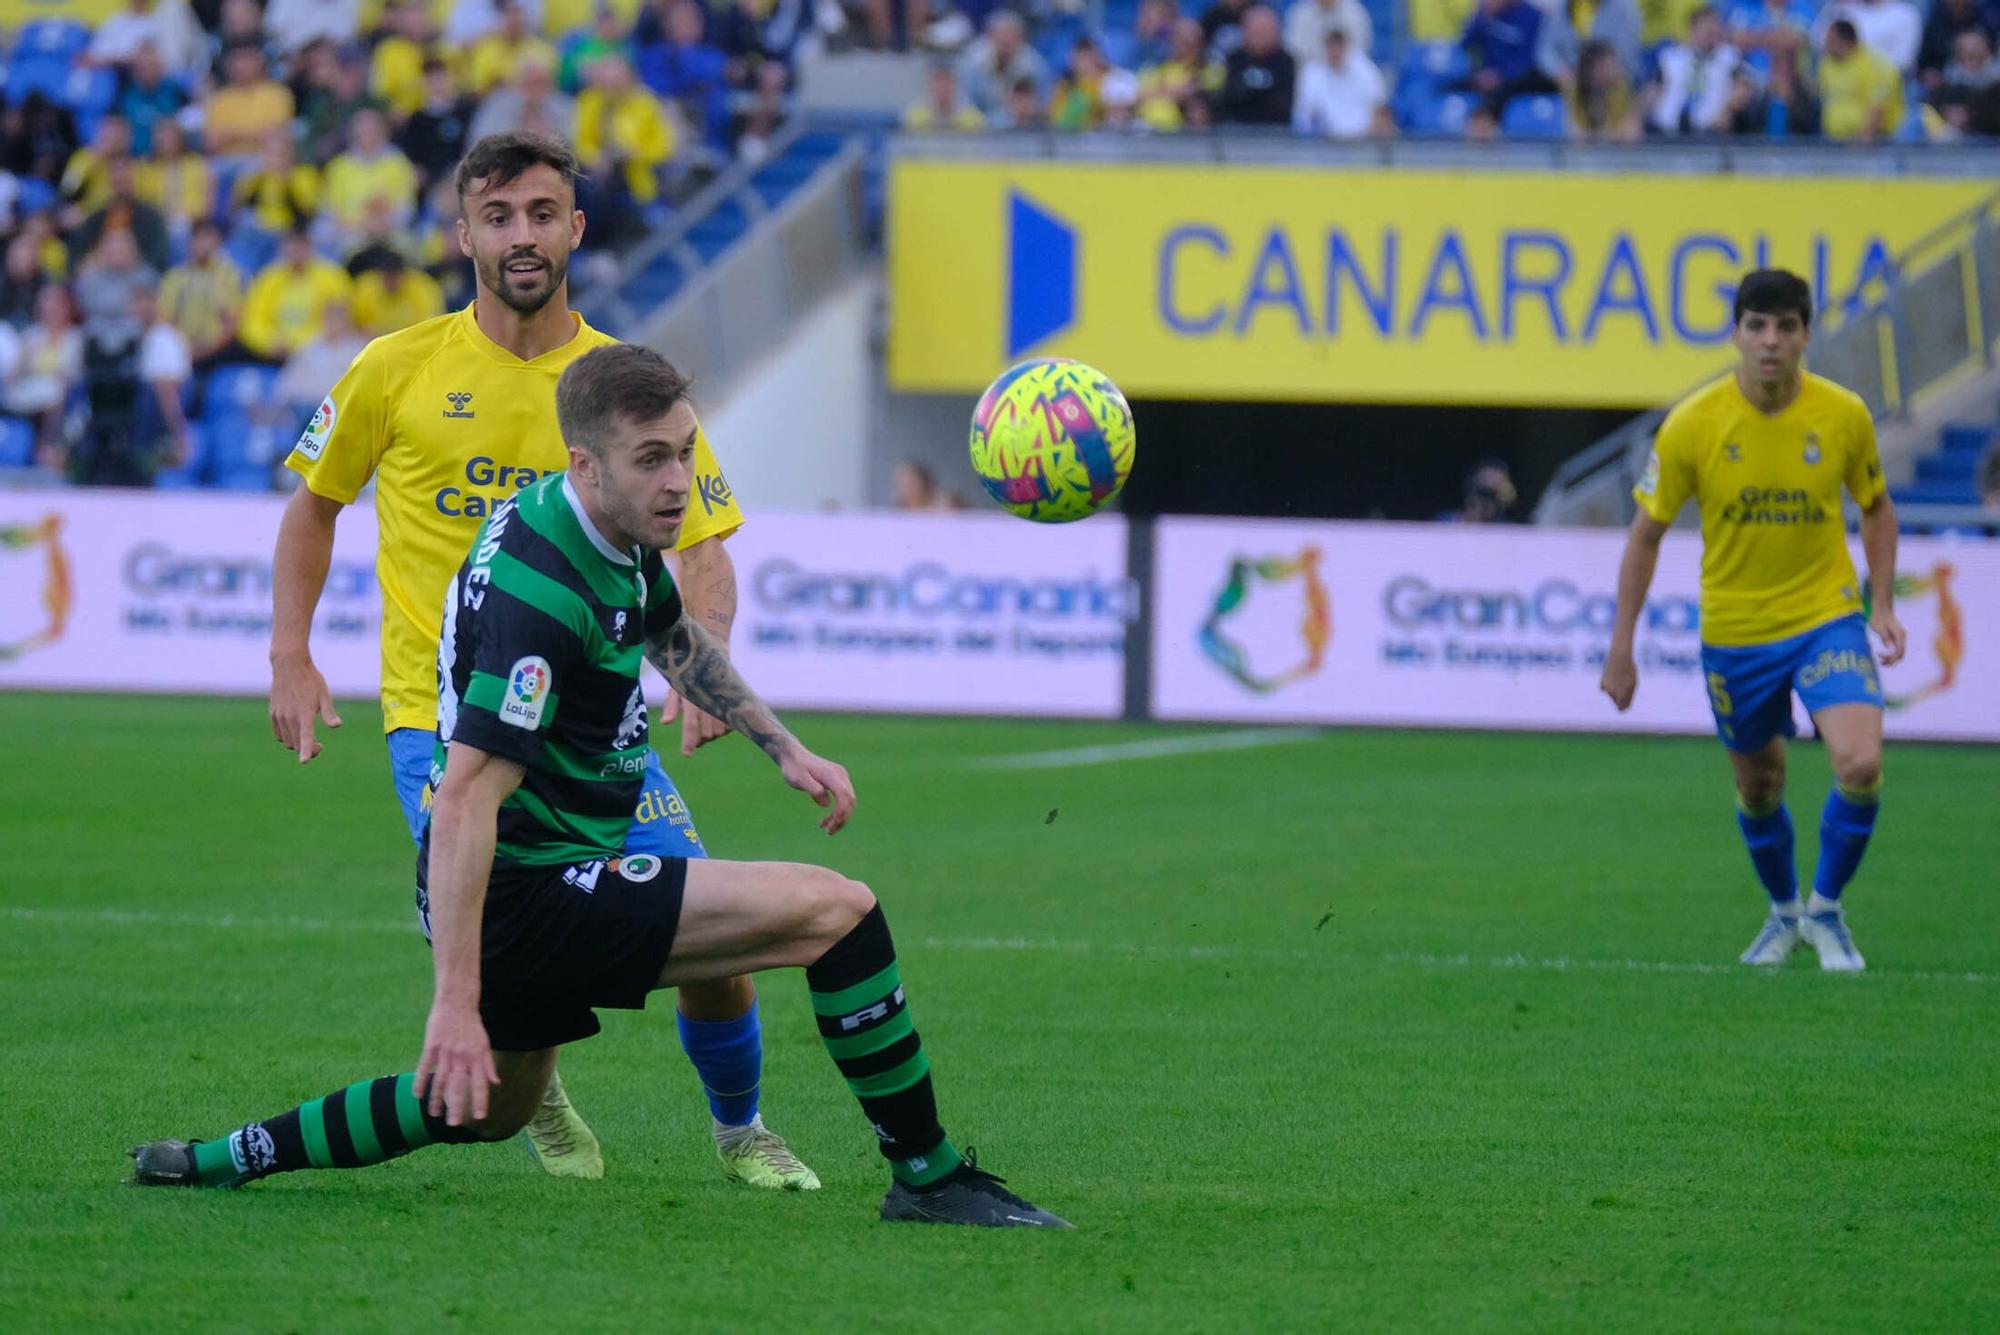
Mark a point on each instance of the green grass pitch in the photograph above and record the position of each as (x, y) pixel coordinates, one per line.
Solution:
(1371, 1030)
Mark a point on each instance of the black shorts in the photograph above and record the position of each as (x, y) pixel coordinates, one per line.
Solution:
(558, 941)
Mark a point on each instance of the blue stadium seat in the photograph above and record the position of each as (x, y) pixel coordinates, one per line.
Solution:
(1537, 117)
(655, 285)
(1440, 115)
(1937, 493)
(58, 39)
(232, 390)
(36, 195)
(17, 443)
(719, 230)
(245, 479)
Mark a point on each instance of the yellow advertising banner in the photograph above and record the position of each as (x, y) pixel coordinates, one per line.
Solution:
(1389, 286)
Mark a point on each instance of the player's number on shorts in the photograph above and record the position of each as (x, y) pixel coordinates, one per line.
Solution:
(1718, 692)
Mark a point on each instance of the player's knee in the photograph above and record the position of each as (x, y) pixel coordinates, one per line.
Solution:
(1859, 770)
(1760, 787)
(837, 904)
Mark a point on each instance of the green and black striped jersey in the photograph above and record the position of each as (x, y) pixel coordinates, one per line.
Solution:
(544, 629)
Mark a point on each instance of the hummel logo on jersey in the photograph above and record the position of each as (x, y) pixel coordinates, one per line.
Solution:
(457, 399)
(1734, 452)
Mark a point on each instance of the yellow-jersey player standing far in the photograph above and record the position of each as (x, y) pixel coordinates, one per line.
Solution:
(1765, 452)
(452, 417)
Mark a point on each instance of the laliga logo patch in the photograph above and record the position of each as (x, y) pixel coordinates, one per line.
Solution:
(527, 693)
(317, 430)
(637, 868)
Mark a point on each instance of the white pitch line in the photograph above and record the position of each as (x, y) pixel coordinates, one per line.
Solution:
(62, 916)
(1243, 739)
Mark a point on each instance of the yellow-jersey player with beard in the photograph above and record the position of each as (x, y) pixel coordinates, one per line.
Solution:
(450, 418)
(1765, 454)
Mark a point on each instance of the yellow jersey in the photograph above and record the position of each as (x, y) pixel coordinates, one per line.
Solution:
(449, 424)
(1774, 559)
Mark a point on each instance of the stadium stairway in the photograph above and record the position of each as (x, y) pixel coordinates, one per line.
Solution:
(1947, 475)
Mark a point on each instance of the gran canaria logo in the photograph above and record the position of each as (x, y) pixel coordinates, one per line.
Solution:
(57, 591)
(1246, 577)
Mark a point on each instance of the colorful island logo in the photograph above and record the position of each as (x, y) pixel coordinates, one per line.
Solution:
(1947, 634)
(1271, 622)
(57, 593)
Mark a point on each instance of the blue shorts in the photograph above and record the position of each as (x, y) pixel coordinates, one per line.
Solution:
(1750, 687)
(661, 825)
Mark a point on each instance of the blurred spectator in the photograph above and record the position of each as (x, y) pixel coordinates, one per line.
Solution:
(175, 179)
(372, 173)
(1259, 77)
(913, 486)
(1074, 105)
(248, 106)
(1602, 104)
(943, 106)
(1119, 97)
(21, 280)
(283, 308)
(1501, 39)
(1222, 25)
(1967, 97)
(328, 112)
(1489, 495)
(686, 70)
(383, 239)
(1024, 108)
(470, 20)
(1307, 22)
(149, 97)
(1570, 23)
(1342, 95)
(760, 38)
(119, 36)
(1989, 478)
(1665, 21)
(1860, 92)
(10, 359)
(608, 37)
(39, 137)
(1949, 18)
(496, 58)
(1152, 37)
(113, 292)
(321, 361)
(104, 285)
(134, 375)
(294, 23)
(165, 367)
(240, 23)
(124, 212)
(1781, 103)
(1189, 72)
(892, 22)
(389, 297)
(396, 71)
(437, 247)
(1692, 96)
(203, 298)
(279, 191)
(1892, 29)
(51, 365)
(434, 137)
(993, 64)
(1757, 27)
(531, 102)
(624, 139)
(86, 179)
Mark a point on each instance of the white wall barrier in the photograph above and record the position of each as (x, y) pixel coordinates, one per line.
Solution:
(1444, 626)
(935, 613)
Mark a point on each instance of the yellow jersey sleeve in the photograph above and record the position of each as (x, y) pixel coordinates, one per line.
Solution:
(1669, 477)
(711, 511)
(342, 445)
(1864, 464)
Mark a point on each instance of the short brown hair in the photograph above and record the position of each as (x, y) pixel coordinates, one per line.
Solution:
(499, 159)
(622, 380)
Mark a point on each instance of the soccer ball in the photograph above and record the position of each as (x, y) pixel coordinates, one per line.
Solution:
(1052, 440)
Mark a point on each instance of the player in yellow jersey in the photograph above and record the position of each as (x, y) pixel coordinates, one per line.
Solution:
(1764, 452)
(451, 417)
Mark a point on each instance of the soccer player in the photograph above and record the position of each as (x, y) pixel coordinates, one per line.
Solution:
(534, 913)
(1764, 452)
(451, 417)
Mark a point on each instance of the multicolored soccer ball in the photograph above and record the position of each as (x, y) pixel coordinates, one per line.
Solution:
(1053, 440)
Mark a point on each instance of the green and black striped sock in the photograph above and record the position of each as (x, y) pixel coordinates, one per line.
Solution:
(858, 999)
(368, 1122)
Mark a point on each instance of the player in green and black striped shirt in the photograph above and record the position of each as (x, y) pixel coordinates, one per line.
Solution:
(534, 917)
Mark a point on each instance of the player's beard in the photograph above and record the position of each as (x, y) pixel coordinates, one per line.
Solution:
(493, 277)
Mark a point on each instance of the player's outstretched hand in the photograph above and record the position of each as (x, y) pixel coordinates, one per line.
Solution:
(698, 728)
(824, 782)
(299, 698)
(1620, 680)
(456, 1070)
(1888, 628)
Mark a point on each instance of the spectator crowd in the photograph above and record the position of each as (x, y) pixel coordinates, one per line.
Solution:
(1615, 70)
(233, 196)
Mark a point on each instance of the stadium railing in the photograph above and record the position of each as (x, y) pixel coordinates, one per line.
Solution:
(1936, 327)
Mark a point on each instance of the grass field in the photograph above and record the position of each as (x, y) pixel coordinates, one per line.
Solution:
(1364, 1030)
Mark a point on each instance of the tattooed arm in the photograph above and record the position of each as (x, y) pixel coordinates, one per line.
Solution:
(696, 666)
(708, 585)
